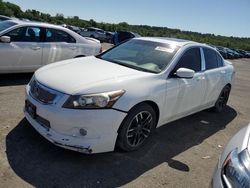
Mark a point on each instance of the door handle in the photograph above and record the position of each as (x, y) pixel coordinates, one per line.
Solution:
(223, 71)
(36, 48)
(201, 78)
(72, 48)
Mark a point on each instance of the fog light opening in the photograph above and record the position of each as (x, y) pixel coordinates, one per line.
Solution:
(83, 132)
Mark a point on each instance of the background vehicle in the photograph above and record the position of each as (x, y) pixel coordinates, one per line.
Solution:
(119, 97)
(94, 33)
(121, 36)
(233, 168)
(109, 36)
(26, 46)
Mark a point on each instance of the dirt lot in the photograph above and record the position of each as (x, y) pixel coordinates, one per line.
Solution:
(174, 158)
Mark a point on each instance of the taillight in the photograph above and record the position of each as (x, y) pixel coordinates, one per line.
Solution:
(100, 50)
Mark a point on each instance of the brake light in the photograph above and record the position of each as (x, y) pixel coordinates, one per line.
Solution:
(100, 50)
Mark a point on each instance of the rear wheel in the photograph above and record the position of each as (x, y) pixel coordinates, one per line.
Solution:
(222, 100)
(136, 128)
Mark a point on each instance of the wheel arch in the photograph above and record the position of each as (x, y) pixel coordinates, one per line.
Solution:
(150, 103)
(78, 56)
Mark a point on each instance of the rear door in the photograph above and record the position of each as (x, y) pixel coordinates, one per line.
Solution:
(58, 45)
(24, 52)
(214, 73)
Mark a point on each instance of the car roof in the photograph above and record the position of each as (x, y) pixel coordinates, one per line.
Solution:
(2, 16)
(33, 23)
(175, 41)
(94, 28)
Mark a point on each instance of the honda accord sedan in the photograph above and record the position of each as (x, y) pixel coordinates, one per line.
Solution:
(26, 46)
(233, 169)
(118, 98)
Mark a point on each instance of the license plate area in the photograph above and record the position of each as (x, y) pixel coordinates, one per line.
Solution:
(30, 109)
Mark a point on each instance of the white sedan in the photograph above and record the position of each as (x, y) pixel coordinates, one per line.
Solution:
(118, 98)
(26, 46)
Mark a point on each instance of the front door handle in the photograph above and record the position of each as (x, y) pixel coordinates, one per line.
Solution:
(36, 48)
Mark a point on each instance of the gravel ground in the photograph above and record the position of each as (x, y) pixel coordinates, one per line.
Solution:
(173, 158)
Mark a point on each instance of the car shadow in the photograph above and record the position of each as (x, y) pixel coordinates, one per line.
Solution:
(42, 164)
(15, 79)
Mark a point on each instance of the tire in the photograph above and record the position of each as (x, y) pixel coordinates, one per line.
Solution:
(136, 128)
(222, 100)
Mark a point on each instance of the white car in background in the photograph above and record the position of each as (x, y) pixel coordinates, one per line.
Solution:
(118, 98)
(233, 168)
(26, 46)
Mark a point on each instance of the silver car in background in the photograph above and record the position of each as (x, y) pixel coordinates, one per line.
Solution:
(233, 169)
(26, 46)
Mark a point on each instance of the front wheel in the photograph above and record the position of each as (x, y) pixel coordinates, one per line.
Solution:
(136, 128)
(222, 100)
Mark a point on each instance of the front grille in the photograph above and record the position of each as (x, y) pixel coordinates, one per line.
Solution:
(41, 93)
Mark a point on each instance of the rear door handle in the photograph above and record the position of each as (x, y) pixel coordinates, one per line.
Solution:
(72, 48)
(36, 48)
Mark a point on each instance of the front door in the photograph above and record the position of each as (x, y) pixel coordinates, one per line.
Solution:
(185, 95)
(24, 52)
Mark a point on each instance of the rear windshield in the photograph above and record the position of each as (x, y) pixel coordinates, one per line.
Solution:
(6, 24)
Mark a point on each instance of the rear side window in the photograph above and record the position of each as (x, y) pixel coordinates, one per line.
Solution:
(191, 59)
(210, 58)
(54, 35)
(219, 60)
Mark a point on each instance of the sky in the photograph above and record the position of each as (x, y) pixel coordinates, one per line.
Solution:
(220, 17)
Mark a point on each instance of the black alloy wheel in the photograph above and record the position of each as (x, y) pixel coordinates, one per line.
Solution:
(137, 127)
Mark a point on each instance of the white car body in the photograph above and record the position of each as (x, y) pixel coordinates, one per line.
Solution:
(173, 97)
(241, 142)
(27, 56)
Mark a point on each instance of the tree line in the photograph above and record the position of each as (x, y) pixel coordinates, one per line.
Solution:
(13, 10)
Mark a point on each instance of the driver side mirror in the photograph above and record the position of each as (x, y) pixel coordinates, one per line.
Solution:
(185, 73)
(5, 39)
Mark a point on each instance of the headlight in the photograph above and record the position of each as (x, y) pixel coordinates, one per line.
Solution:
(236, 169)
(99, 100)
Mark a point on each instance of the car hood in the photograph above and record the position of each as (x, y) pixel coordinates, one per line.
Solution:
(76, 75)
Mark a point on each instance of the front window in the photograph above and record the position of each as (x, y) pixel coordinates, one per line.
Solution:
(142, 55)
(6, 24)
(25, 34)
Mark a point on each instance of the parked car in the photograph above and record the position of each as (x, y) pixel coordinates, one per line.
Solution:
(119, 97)
(230, 53)
(233, 169)
(121, 36)
(26, 46)
(74, 28)
(109, 36)
(243, 53)
(222, 51)
(94, 33)
(4, 18)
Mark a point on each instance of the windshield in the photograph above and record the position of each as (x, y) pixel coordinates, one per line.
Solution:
(6, 24)
(142, 55)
